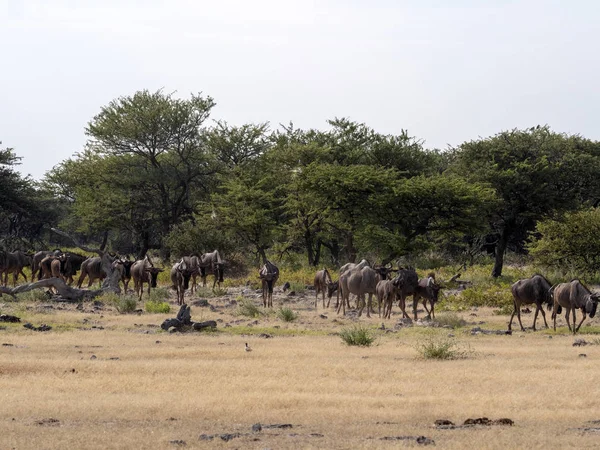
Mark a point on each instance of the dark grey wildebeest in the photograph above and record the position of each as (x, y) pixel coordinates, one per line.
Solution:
(180, 277)
(527, 292)
(92, 269)
(211, 263)
(428, 290)
(321, 282)
(573, 296)
(14, 263)
(268, 274)
(409, 282)
(143, 271)
(39, 256)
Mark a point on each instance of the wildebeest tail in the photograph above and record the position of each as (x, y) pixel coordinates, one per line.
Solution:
(559, 309)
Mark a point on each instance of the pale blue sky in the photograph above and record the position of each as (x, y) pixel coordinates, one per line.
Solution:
(447, 71)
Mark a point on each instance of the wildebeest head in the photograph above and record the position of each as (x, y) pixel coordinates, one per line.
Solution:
(331, 288)
(219, 270)
(592, 304)
(153, 271)
(185, 272)
(383, 271)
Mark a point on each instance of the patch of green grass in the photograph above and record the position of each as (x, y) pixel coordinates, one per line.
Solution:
(123, 303)
(255, 331)
(286, 314)
(157, 307)
(247, 308)
(159, 294)
(298, 287)
(439, 347)
(357, 335)
(35, 295)
(450, 319)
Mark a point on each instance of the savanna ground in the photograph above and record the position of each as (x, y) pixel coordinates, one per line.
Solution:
(101, 379)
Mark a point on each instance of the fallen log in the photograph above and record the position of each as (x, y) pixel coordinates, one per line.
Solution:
(183, 322)
(66, 292)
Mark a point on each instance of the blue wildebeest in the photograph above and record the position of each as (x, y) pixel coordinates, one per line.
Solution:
(359, 281)
(180, 277)
(427, 289)
(211, 263)
(268, 274)
(528, 291)
(322, 282)
(408, 285)
(386, 291)
(15, 262)
(143, 271)
(573, 296)
(91, 268)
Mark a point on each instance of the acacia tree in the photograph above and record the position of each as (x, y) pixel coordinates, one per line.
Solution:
(536, 173)
(145, 167)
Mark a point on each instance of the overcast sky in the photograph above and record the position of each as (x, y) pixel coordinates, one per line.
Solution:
(445, 73)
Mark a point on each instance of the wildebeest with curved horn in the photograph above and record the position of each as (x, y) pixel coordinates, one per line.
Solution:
(180, 277)
(143, 271)
(322, 282)
(427, 289)
(535, 289)
(269, 274)
(573, 296)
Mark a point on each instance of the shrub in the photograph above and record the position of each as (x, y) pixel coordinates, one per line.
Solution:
(159, 294)
(248, 308)
(286, 314)
(496, 295)
(123, 303)
(357, 335)
(438, 347)
(157, 307)
(35, 295)
(126, 304)
(450, 319)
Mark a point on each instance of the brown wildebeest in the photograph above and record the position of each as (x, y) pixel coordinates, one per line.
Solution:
(386, 291)
(528, 291)
(573, 296)
(215, 265)
(322, 282)
(72, 265)
(143, 271)
(427, 289)
(14, 263)
(409, 281)
(52, 267)
(331, 288)
(38, 256)
(91, 268)
(126, 273)
(269, 274)
(360, 281)
(180, 277)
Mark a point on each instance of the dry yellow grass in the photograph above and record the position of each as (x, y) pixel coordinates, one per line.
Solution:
(165, 387)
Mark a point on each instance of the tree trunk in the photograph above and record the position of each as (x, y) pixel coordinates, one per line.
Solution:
(500, 249)
(308, 242)
(318, 252)
(350, 250)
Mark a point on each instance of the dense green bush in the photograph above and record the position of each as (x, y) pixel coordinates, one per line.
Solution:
(286, 314)
(357, 335)
(157, 307)
(440, 347)
(247, 308)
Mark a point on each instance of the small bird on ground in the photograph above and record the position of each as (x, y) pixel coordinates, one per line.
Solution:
(248, 349)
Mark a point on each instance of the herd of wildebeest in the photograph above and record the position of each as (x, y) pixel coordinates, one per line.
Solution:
(359, 279)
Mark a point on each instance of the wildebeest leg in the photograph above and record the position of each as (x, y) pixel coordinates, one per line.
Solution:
(537, 310)
(512, 316)
(415, 303)
(568, 317)
(370, 305)
(264, 294)
(518, 309)
(360, 302)
(426, 310)
(543, 315)
(583, 318)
